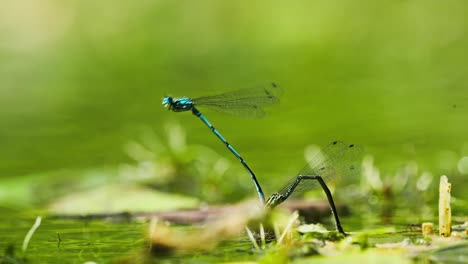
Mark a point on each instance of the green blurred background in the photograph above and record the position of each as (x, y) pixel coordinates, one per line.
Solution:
(82, 80)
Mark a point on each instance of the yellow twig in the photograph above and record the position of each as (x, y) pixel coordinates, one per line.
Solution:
(445, 213)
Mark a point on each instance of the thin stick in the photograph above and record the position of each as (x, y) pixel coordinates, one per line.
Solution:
(251, 236)
(290, 223)
(262, 236)
(30, 233)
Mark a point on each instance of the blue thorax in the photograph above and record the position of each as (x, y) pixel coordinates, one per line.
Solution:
(178, 104)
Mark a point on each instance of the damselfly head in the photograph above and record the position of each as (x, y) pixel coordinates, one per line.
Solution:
(167, 101)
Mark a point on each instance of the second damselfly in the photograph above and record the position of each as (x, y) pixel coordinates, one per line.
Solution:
(336, 160)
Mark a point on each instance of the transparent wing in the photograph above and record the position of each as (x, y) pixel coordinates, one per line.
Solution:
(245, 102)
(336, 160)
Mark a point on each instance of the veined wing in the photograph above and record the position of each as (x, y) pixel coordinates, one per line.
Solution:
(244, 102)
(336, 160)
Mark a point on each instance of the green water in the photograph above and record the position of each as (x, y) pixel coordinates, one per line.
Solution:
(101, 241)
(61, 241)
(111, 241)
